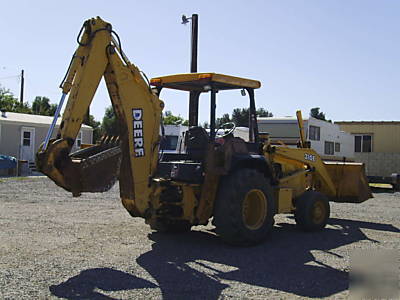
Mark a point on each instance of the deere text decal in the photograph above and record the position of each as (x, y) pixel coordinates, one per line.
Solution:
(138, 142)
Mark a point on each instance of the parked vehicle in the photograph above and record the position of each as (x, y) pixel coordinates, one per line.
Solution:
(240, 184)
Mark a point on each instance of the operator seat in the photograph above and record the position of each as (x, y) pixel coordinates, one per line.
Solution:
(196, 140)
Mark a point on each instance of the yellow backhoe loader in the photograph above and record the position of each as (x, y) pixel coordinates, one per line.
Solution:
(240, 184)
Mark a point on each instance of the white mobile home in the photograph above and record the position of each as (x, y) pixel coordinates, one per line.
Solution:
(173, 138)
(326, 138)
(22, 134)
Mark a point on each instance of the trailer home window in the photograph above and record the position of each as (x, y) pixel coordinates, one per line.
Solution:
(169, 142)
(79, 139)
(314, 133)
(26, 141)
(329, 147)
(337, 147)
(363, 143)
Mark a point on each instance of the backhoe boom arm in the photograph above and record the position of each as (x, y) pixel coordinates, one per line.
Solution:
(137, 108)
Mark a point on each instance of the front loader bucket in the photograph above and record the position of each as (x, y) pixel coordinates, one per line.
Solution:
(350, 182)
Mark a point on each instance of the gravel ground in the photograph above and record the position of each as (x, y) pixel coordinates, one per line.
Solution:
(53, 245)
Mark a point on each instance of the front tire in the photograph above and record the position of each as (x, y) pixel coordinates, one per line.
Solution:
(312, 211)
(244, 208)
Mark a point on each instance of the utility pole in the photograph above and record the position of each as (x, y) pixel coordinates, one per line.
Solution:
(21, 96)
(194, 43)
(194, 96)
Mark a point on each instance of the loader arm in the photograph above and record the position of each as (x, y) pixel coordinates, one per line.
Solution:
(340, 181)
(138, 110)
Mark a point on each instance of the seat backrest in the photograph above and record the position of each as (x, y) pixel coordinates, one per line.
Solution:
(196, 140)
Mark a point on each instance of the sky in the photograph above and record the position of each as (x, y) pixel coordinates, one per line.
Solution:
(341, 56)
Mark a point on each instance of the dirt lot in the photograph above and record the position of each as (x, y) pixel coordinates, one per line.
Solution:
(53, 245)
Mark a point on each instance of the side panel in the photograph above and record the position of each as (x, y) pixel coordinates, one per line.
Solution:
(87, 136)
(10, 139)
(284, 200)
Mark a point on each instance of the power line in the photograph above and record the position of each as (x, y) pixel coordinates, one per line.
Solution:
(9, 77)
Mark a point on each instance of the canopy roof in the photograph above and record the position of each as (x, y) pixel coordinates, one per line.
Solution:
(203, 82)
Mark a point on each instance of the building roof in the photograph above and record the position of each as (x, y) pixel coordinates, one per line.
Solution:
(368, 122)
(279, 119)
(13, 117)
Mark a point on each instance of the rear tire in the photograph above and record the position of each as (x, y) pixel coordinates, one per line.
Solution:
(312, 211)
(244, 208)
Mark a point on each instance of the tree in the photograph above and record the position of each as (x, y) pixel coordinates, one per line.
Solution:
(262, 112)
(240, 116)
(52, 109)
(315, 113)
(170, 119)
(110, 125)
(24, 108)
(9, 103)
(41, 106)
(224, 119)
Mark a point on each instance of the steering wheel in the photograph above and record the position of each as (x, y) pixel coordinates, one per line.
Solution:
(230, 130)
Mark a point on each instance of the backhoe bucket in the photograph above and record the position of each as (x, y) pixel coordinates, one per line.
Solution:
(94, 169)
(350, 182)
(98, 167)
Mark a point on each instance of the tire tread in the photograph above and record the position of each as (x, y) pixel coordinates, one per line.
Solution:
(228, 208)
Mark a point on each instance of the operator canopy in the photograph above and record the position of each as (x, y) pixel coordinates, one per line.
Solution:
(203, 82)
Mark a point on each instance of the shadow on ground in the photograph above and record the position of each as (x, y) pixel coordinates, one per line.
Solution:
(86, 284)
(195, 265)
(383, 190)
